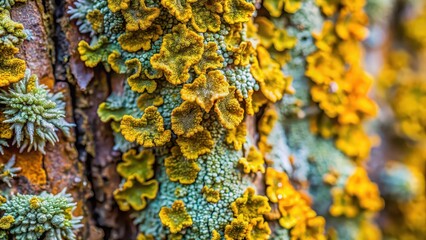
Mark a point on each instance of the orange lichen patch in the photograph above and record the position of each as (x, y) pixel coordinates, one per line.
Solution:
(138, 16)
(328, 7)
(175, 218)
(237, 136)
(138, 81)
(352, 25)
(267, 121)
(366, 192)
(254, 161)
(206, 89)
(147, 131)
(243, 53)
(229, 111)
(234, 37)
(133, 41)
(138, 165)
(274, 83)
(179, 51)
(146, 100)
(96, 19)
(324, 67)
(237, 229)
(93, 55)
(327, 38)
(237, 11)
(180, 169)
(250, 206)
(186, 119)
(343, 204)
(117, 5)
(209, 60)
(204, 17)
(215, 235)
(180, 9)
(211, 195)
(11, 69)
(117, 62)
(197, 144)
(283, 41)
(30, 163)
(5, 131)
(134, 193)
(258, 229)
(277, 184)
(353, 141)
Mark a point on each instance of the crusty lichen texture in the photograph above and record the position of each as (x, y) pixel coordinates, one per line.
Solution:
(204, 106)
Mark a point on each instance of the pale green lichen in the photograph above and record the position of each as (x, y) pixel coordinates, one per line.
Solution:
(34, 113)
(44, 216)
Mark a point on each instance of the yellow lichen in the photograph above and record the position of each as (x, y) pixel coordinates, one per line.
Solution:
(274, 83)
(215, 235)
(205, 17)
(138, 81)
(328, 7)
(142, 236)
(117, 5)
(352, 24)
(237, 11)
(229, 110)
(243, 53)
(134, 193)
(237, 229)
(6, 222)
(234, 37)
(283, 41)
(117, 62)
(138, 165)
(133, 41)
(197, 144)
(258, 229)
(138, 16)
(180, 50)
(186, 119)
(181, 169)
(267, 121)
(92, 55)
(96, 19)
(275, 7)
(180, 9)
(11, 69)
(175, 218)
(237, 136)
(211, 195)
(210, 59)
(254, 161)
(147, 131)
(5, 131)
(250, 206)
(146, 100)
(206, 89)
(343, 204)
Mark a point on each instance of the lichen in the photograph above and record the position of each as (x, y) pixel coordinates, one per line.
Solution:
(34, 113)
(138, 165)
(147, 131)
(134, 193)
(34, 216)
(180, 50)
(175, 218)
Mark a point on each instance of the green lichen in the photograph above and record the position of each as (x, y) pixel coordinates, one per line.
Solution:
(36, 216)
(34, 113)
